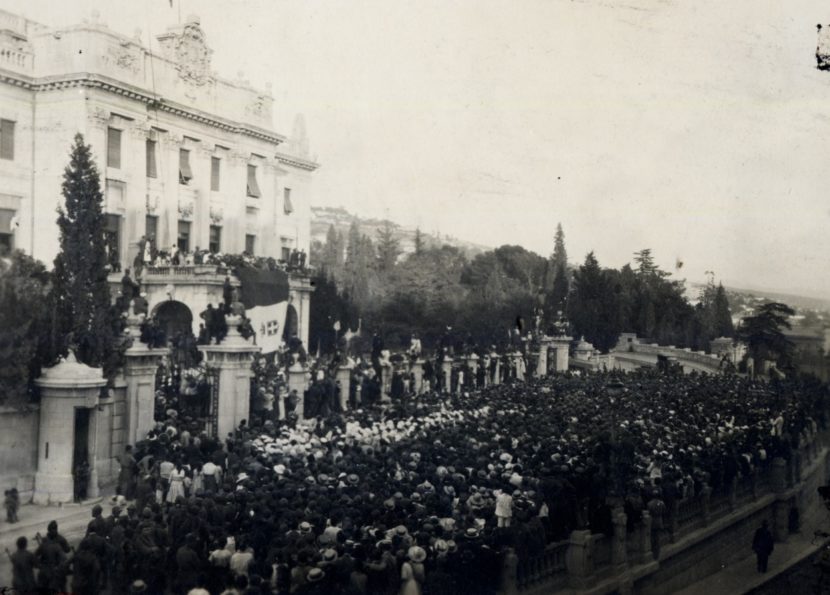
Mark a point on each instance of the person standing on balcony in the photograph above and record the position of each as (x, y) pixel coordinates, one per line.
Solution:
(139, 260)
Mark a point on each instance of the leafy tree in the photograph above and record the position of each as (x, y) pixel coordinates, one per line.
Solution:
(764, 336)
(723, 326)
(560, 255)
(82, 310)
(330, 257)
(24, 320)
(388, 247)
(419, 241)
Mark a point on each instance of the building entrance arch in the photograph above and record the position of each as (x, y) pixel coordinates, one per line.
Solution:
(174, 318)
(292, 323)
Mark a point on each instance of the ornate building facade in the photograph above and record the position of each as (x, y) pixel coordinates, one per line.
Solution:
(186, 157)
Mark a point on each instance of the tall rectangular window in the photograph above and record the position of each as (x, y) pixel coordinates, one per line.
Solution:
(6, 139)
(112, 238)
(183, 239)
(7, 224)
(287, 205)
(185, 173)
(152, 172)
(151, 224)
(253, 186)
(215, 164)
(114, 148)
(286, 253)
(250, 243)
(215, 239)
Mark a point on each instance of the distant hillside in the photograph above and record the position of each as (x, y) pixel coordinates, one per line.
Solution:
(324, 217)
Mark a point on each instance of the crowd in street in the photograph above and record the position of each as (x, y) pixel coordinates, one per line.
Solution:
(423, 495)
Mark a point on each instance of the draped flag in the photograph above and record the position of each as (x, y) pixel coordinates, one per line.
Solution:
(265, 297)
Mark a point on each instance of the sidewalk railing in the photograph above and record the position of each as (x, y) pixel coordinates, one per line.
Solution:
(585, 559)
(548, 567)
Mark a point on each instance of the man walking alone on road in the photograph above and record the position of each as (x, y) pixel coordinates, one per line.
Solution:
(762, 545)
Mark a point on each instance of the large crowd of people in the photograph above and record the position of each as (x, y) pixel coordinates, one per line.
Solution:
(424, 494)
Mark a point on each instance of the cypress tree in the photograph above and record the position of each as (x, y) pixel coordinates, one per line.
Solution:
(84, 319)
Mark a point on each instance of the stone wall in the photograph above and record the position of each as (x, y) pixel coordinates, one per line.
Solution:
(18, 449)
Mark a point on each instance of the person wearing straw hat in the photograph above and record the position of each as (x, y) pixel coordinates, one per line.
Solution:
(412, 571)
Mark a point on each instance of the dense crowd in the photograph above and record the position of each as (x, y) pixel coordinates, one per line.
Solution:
(428, 494)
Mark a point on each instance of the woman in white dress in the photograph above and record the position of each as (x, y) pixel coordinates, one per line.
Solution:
(176, 484)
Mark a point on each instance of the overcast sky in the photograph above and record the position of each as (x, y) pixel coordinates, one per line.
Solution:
(698, 128)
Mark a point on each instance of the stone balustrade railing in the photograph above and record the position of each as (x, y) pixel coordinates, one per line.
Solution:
(549, 568)
(585, 559)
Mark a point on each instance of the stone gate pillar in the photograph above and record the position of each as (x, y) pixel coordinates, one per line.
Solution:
(385, 382)
(446, 369)
(562, 346)
(517, 362)
(418, 377)
(298, 380)
(485, 364)
(232, 358)
(542, 361)
(344, 377)
(140, 375)
(497, 370)
(64, 388)
(472, 363)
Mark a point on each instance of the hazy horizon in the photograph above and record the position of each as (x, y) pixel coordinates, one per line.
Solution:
(698, 130)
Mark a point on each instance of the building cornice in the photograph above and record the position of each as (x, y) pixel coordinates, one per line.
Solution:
(153, 101)
(16, 79)
(296, 162)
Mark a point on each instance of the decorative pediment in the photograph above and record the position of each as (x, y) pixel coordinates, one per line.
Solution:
(185, 46)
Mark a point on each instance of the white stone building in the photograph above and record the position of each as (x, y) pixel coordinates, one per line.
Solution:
(186, 157)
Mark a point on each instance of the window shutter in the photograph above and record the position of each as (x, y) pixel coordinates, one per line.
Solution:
(215, 164)
(185, 174)
(253, 187)
(287, 206)
(6, 216)
(151, 159)
(114, 148)
(6, 139)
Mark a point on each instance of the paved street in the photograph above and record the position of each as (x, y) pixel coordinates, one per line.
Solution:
(72, 521)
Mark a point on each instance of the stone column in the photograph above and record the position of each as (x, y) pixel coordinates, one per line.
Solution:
(485, 363)
(298, 380)
(706, 501)
(472, 363)
(561, 344)
(92, 490)
(344, 376)
(517, 361)
(140, 375)
(64, 388)
(497, 371)
(385, 382)
(418, 376)
(778, 475)
(446, 369)
(579, 559)
(644, 544)
(619, 554)
(233, 358)
(542, 361)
